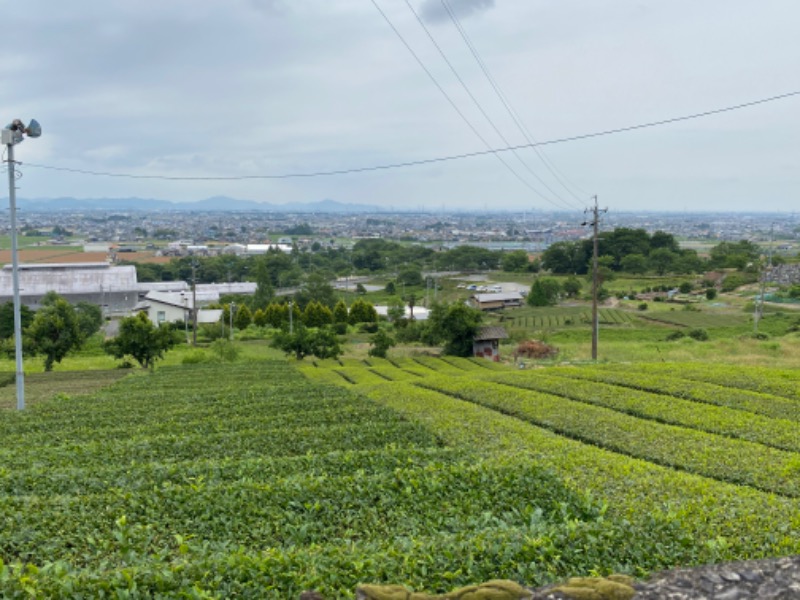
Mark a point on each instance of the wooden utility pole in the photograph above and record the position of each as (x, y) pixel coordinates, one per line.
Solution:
(595, 223)
(194, 303)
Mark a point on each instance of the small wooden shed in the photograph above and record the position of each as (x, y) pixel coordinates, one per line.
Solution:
(486, 343)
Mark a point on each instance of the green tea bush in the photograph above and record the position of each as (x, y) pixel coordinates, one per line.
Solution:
(194, 357)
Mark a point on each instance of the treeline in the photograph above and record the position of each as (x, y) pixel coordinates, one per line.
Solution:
(315, 314)
(626, 250)
(636, 252)
(283, 269)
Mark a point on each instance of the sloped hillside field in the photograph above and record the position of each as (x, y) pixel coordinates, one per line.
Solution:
(690, 463)
(261, 480)
(251, 480)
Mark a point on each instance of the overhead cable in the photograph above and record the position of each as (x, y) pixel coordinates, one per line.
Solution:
(424, 161)
(555, 194)
(455, 107)
(506, 103)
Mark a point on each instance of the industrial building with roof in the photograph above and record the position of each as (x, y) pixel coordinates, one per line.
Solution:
(113, 288)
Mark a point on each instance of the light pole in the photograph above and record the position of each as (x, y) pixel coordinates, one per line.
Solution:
(13, 134)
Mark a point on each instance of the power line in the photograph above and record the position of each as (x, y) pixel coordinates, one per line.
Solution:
(453, 104)
(480, 108)
(426, 161)
(526, 134)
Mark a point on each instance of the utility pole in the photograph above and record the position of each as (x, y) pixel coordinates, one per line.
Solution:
(758, 312)
(231, 309)
(194, 303)
(595, 223)
(10, 135)
(12, 200)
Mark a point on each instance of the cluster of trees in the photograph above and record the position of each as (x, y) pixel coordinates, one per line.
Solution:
(278, 269)
(636, 252)
(59, 328)
(315, 314)
(545, 291)
(53, 331)
(452, 326)
(623, 249)
(302, 341)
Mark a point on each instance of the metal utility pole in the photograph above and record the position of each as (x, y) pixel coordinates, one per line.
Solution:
(12, 201)
(595, 223)
(231, 309)
(13, 134)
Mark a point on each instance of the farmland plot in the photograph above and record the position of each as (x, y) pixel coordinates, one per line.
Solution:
(249, 480)
(716, 465)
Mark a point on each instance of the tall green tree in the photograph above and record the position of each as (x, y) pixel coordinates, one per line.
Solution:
(303, 341)
(242, 317)
(265, 291)
(340, 312)
(316, 289)
(140, 339)
(456, 324)
(572, 286)
(7, 318)
(544, 292)
(568, 257)
(636, 264)
(515, 261)
(55, 330)
(662, 260)
(317, 315)
(90, 318)
(734, 255)
(260, 317)
(362, 311)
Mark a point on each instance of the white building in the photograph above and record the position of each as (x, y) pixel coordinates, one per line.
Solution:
(113, 288)
(168, 307)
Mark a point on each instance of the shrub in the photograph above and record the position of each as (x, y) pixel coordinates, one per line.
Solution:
(642, 306)
(711, 293)
(380, 344)
(699, 334)
(408, 334)
(368, 328)
(225, 350)
(675, 335)
(733, 281)
(536, 349)
(194, 357)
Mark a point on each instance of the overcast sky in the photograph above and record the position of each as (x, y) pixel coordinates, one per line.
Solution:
(269, 87)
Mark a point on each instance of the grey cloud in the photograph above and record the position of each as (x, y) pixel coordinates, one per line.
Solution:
(434, 11)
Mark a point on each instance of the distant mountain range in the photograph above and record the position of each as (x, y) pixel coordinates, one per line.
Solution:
(216, 203)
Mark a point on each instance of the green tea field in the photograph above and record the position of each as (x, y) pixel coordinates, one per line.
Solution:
(263, 478)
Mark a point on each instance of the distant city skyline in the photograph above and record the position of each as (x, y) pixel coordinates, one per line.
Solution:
(271, 87)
